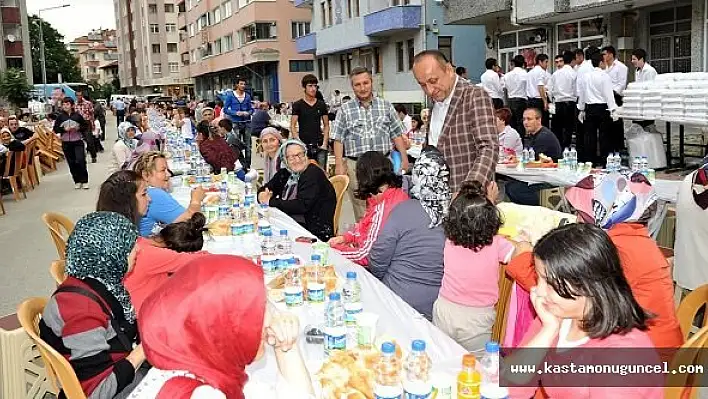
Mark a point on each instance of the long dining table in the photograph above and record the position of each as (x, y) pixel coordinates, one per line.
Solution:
(397, 319)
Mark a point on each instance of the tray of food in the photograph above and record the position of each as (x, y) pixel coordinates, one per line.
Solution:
(276, 286)
(543, 162)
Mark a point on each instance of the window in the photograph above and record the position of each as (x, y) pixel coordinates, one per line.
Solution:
(152, 8)
(399, 57)
(15, 63)
(174, 67)
(154, 28)
(226, 9)
(299, 29)
(445, 46)
(191, 30)
(202, 22)
(172, 47)
(528, 42)
(301, 66)
(217, 15)
(355, 11)
(329, 12)
(156, 68)
(217, 46)
(579, 34)
(156, 49)
(342, 64)
(227, 42)
(378, 61)
(410, 45)
(259, 31)
(169, 8)
(323, 12)
(320, 68)
(170, 28)
(401, 2)
(670, 39)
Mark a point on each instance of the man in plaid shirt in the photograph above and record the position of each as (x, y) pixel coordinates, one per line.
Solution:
(85, 108)
(462, 124)
(367, 123)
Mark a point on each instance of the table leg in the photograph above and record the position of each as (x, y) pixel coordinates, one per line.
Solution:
(669, 158)
(682, 158)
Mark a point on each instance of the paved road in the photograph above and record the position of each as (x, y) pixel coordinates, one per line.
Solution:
(26, 249)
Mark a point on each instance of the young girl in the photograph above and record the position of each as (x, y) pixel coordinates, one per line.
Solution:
(464, 309)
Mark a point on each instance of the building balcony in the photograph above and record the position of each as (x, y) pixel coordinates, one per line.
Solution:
(93, 77)
(181, 20)
(307, 44)
(13, 49)
(344, 36)
(476, 12)
(392, 20)
(302, 3)
(10, 15)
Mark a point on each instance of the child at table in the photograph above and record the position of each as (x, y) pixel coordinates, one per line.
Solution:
(473, 251)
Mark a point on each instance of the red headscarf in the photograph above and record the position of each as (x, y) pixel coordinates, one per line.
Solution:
(207, 319)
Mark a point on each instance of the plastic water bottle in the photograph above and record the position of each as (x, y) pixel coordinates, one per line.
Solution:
(352, 289)
(525, 155)
(618, 162)
(284, 250)
(293, 286)
(335, 332)
(490, 365)
(636, 164)
(265, 212)
(532, 155)
(644, 165)
(417, 383)
(388, 374)
(609, 163)
(315, 283)
(267, 244)
(566, 159)
(223, 193)
(573, 155)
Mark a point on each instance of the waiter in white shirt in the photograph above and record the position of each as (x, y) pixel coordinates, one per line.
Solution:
(618, 74)
(536, 84)
(597, 105)
(645, 72)
(579, 59)
(583, 69)
(491, 82)
(515, 83)
(563, 92)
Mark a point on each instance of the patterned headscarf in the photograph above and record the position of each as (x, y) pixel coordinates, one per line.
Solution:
(98, 248)
(611, 199)
(123, 134)
(431, 185)
(291, 185)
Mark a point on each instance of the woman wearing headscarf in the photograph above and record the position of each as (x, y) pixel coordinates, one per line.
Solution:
(215, 150)
(690, 248)
(301, 189)
(270, 144)
(622, 208)
(408, 254)
(90, 319)
(193, 359)
(124, 146)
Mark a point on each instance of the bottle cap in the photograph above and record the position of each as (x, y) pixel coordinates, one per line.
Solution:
(316, 257)
(264, 206)
(388, 347)
(268, 233)
(492, 347)
(292, 261)
(351, 275)
(335, 296)
(468, 360)
(418, 345)
(283, 232)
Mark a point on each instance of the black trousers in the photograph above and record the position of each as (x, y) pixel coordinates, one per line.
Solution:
(102, 122)
(498, 103)
(241, 128)
(538, 104)
(120, 116)
(75, 155)
(564, 122)
(517, 107)
(522, 193)
(92, 144)
(597, 129)
(617, 129)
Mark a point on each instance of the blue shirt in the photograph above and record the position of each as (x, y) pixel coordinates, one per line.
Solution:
(232, 105)
(118, 105)
(163, 209)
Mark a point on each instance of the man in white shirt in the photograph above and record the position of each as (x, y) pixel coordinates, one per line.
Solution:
(579, 59)
(645, 72)
(564, 97)
(491, 82)
(515, 83)
(536, 85)
(461, 72)
(596, 105)
(335, 102)
(618, 73)
(404, 117)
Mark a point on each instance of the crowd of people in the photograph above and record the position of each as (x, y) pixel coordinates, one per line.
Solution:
(132, 310)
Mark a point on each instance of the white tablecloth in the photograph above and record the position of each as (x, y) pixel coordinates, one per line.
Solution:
(396, 318)
(666, 190)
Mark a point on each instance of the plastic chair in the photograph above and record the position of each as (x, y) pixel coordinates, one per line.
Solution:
(340, 183)
(13, 161)
(60, 227)
(58, 271)
(59, 371)
(502, 307)
(682, 386)
(24, 165)
(689, 307)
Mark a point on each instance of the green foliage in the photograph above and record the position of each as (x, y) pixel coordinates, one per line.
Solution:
(14, 87)
(58, 58)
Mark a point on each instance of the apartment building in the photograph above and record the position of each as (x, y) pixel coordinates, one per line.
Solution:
(253, 39)
(15, 51)
(384, 36)
(672, 32)
(148, 47)
(95, 53)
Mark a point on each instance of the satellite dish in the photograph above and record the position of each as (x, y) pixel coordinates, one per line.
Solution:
(11, 38)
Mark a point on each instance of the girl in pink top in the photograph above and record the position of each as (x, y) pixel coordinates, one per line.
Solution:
(586, 315)
(473, 251)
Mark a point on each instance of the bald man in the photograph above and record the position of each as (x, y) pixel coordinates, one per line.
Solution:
(462, 124)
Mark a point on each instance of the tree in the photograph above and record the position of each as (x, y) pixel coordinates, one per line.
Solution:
(14, 87)
(58, 58)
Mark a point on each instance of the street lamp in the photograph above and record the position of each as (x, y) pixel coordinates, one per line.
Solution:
(41, 48)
